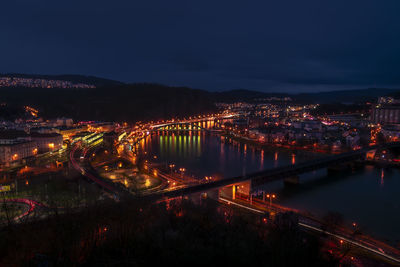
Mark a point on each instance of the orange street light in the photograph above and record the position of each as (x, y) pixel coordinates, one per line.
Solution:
(171, 166)
(270, 196)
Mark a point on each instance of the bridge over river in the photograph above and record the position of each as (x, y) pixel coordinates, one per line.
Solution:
(279, 173)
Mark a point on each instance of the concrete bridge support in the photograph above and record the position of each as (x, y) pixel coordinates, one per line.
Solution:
(242, 189)
(233, 191)
(370, 155)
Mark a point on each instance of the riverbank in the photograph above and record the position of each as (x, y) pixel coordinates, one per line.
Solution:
(356, 194)
(308, 148)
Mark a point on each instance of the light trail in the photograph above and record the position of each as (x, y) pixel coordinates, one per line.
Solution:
(355, 243)
(376, 251)
(31, 203)
(240, 205)
(88, 174)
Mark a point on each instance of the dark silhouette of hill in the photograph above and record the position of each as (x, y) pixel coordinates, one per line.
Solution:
(116, 101)
(345, 96)
(342, 96)
(243, 95)
(12, 112)
(113, 103)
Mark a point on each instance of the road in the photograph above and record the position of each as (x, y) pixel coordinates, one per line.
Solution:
(195, 120)
(76, 152)
(32, 205)
(363, 242)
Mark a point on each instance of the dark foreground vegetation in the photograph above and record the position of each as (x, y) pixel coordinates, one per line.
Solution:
(178, 233)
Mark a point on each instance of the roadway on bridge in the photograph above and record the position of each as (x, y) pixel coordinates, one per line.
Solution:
(274, 174)
(265, 176)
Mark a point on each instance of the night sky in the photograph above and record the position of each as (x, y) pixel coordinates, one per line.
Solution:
(216, 45)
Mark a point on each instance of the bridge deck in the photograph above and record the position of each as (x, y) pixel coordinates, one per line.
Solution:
(279, 173)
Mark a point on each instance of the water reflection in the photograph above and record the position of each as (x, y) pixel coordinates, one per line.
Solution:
(262, 159)
(356, 195)
(207, 154)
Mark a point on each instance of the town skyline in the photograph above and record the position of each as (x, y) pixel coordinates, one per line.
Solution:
(180, 133)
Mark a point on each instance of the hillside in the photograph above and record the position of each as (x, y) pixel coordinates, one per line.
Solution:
(115, 101)
(346, 96)
(112, 103)
(343, 96)
(243, 95)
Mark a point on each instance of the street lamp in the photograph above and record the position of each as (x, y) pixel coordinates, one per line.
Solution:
(270, 196)
(171, 166)
(208, 178)
(182, 170)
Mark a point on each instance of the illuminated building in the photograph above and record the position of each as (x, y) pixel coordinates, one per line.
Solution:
(15, 146)
(391, 132)
(64, 122)
(386, 114)
(47, 141)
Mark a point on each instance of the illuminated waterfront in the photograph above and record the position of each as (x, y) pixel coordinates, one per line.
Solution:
(205, 154)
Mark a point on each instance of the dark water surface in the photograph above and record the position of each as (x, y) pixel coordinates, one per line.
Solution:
(369, 196)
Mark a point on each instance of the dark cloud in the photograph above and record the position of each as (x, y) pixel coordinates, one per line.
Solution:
(216, 45)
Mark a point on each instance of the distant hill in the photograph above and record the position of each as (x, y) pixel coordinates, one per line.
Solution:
(130, 103)
(395, 94)
(116, 101)
(12, 112)
(243, 95)
(343, 96)
(92, 80)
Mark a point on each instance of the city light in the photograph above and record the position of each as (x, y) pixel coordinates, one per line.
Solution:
(270, 197)
(259, 133)
(244, 136)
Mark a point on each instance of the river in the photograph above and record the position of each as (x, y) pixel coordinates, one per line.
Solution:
(369, 196)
